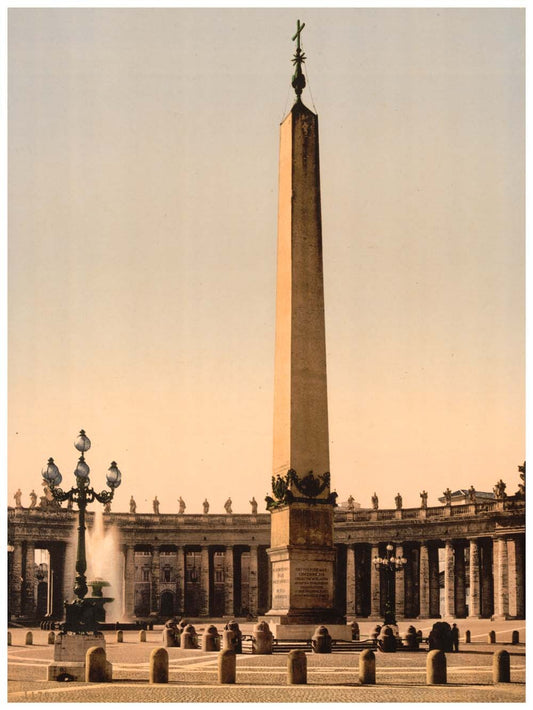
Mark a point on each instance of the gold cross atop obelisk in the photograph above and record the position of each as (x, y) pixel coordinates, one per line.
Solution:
(298, 79)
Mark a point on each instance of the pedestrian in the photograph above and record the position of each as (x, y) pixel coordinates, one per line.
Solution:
(455, 638)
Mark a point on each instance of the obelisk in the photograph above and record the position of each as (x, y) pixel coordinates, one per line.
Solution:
(302, 552)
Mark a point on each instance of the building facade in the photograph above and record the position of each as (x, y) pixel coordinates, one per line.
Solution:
(217, 565)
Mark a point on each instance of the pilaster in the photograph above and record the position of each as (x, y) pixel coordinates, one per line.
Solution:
(350, 581)
(155, 575)
(501, 578)
(474, 607)
(253, 595)
(229, 575)
(129, 581)
(204, 581)
(399, 587)
(424, 581)
(449, 580)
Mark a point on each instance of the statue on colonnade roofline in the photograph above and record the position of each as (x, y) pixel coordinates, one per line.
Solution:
(227, 506)
(182, 505)
(424, 499)
(206, 506)
(447, 497)
(399, 501)
(253, 503)
(375, 501)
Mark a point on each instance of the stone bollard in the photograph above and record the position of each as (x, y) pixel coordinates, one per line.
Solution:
(375, 633)
(120, 636)
(367, 667)
(142, 636)
(321, 640)
(9, 638)
(158, 666)
(51, 637)
(29, 638)
(297, 668)
(355, 631)
(387, 640)
(411, 639)
(170, 638)
(492, 636)
(468, 637)
(211, 639)
(501, 667)
(97, 668)
(189, 638)
(515, 638)
(436, 668)
(233, 626)
(262, 638)
(227, 666)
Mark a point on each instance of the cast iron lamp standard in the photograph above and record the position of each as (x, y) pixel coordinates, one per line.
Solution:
(389, 565)
(81, 613)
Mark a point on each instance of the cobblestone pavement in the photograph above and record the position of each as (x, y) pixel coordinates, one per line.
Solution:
(400, 677)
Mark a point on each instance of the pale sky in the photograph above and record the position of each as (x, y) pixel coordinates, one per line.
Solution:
(143, 167)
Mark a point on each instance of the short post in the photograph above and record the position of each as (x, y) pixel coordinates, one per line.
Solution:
(120, 636)
(515, 638)
(492, 636)
(227, 666)
(189, 639)
(367, 667)
(29, 638)
(97, 669)
(170, 638)
(355, 631)
(9, 638)
(262, 638)
(501, 667)
(51, 637)
(436, 668)
(210, 639)
(158, 666)
(142, 636)
(297, 668)
(468, 637)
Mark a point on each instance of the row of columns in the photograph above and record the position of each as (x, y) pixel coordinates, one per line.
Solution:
(206, 571)
(496, 572)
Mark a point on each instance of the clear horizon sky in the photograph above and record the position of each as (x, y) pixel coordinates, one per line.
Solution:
(143, 169)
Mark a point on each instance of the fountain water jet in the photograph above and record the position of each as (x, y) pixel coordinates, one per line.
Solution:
(104, 562)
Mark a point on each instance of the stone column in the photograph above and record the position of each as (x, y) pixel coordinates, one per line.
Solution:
(180, 581)
(487, 581)
(204, 581)
(350, 581)
(515, 553)
(155, 578)
(229, 578)
(449, 580)
(15, 583)
(399, 587)
(28, 586)
(434, 588)
(460, 581)
(474, 607)
(424, 581)
(375, 591)
(129, 582)
(501, 578)
(68, 572)
(253, 598)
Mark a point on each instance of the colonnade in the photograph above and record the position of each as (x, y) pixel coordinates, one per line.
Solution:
(482, 577)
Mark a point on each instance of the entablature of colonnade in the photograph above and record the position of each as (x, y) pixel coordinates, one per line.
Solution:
(193, 530)
(445, 522)
(488, 518)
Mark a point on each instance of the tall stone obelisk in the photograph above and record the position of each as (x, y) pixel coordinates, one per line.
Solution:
(302, 552)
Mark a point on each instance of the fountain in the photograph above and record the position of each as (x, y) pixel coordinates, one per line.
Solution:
(104, 564)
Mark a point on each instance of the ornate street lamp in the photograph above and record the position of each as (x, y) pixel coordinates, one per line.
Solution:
(389, 565)
(80, 615)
